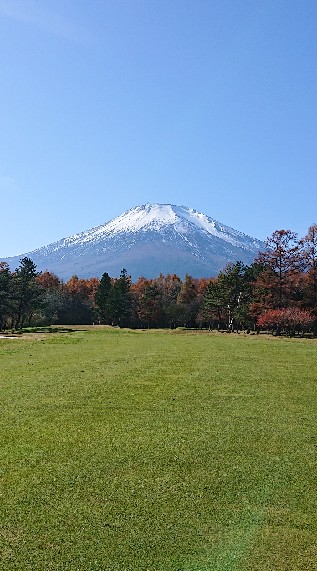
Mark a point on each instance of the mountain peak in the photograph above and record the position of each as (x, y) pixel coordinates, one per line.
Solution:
(147, 240)
(153, 215)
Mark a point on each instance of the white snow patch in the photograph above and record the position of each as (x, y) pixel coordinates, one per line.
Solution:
(157, 217)
(149, 215)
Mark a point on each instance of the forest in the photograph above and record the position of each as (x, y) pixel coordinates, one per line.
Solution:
(277, 293)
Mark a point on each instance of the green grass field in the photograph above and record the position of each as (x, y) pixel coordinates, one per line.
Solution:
(158, 451)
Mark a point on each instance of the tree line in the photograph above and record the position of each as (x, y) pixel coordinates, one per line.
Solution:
(278, 292)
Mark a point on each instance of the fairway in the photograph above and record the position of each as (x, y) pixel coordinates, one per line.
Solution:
(158, 451)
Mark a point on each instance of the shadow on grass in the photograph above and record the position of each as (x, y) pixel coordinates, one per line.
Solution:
(47, 330)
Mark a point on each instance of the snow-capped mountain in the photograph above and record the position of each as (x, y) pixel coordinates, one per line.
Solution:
(148, 240)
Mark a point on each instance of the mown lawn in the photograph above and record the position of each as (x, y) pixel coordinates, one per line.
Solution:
(158, 451)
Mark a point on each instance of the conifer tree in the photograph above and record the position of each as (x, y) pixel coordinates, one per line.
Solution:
(5, 294)
(26, 291)
(102, 295)
(281, 263)
(120, 300)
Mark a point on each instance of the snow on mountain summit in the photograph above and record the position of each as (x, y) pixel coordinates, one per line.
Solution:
(158, 217)
(139, 217)
(148, 240)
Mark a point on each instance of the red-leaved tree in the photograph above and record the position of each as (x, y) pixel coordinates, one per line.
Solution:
(290, 319)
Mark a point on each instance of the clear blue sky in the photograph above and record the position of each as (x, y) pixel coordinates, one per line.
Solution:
(108, 104)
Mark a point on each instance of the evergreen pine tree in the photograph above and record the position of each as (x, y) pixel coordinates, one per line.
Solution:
(26, 291)
(102, 295)
(120, 300)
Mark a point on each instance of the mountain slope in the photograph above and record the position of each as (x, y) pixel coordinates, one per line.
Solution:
(147, 240)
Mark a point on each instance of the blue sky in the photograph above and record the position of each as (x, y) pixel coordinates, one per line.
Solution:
(108, 104)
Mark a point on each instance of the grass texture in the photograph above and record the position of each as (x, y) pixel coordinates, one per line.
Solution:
(157, 451)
